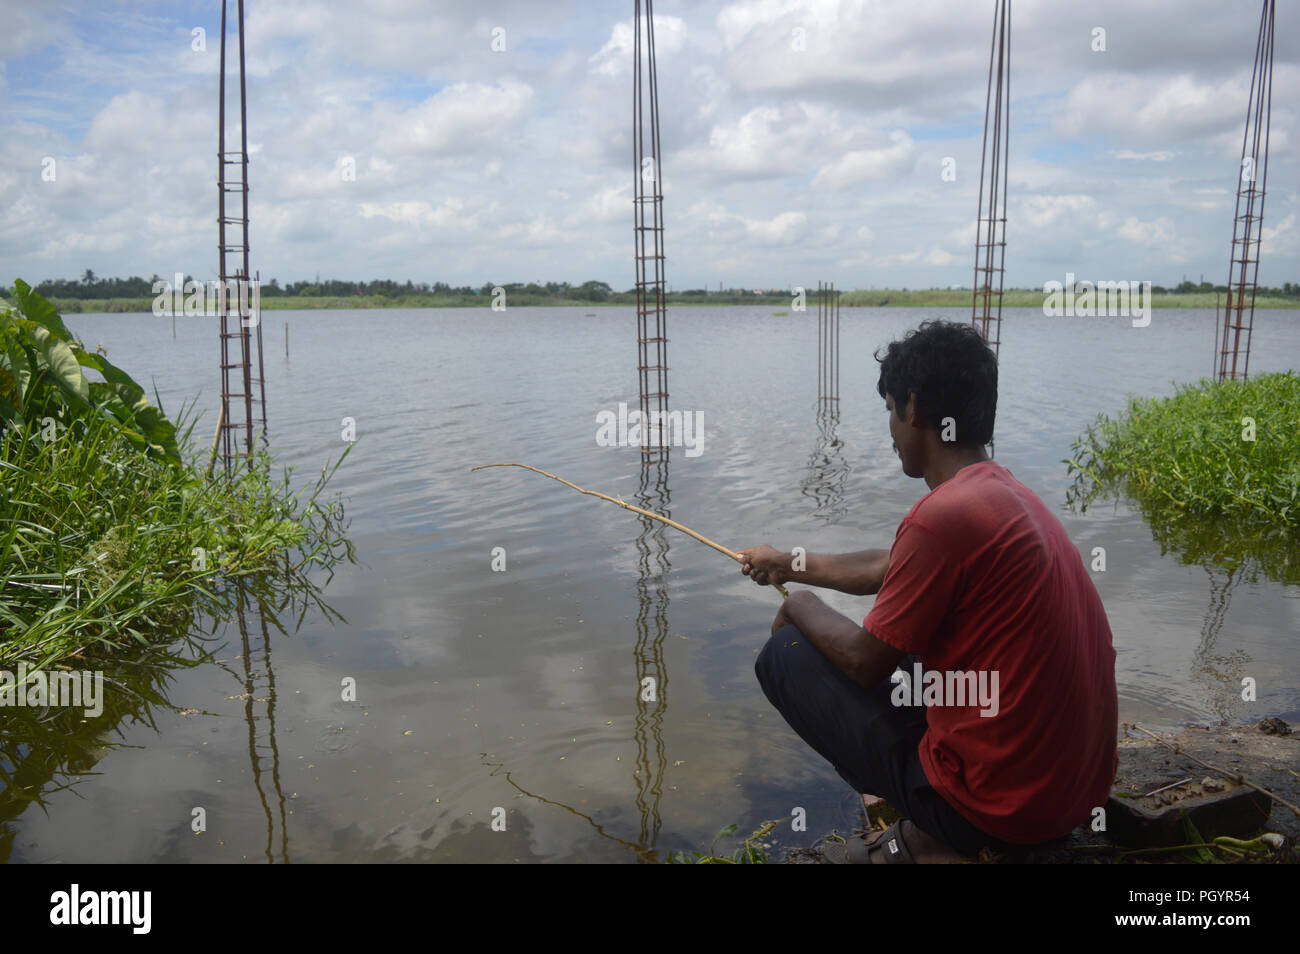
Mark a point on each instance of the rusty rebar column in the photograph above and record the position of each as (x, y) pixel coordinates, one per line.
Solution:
(1248, 217)
(648, 234)
(991, 213)
(237, 342)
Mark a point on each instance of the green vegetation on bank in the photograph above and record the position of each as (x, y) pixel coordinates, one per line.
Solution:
(111, 536)
(93, 294)
(1214, 469)
(749, 852)
(878, 298)
(1214, 449)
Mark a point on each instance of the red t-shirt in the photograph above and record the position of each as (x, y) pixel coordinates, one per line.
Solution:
(982, 577)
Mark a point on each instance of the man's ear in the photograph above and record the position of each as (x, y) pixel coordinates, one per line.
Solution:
(914, 415)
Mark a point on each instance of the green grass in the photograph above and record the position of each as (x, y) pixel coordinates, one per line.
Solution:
(748, 852)
(1204, 486)
(318, 302)
(104, 550)
(861, 298)
(1227, 449)
(111, 535)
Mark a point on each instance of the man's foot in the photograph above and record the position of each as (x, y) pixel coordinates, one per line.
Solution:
(869, 802)
(900, 843)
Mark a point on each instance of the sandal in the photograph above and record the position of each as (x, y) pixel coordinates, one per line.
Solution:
(860, 849)
(857, 851)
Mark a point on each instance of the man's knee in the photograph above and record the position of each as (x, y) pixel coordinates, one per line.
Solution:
(767, 666)
(763, 665)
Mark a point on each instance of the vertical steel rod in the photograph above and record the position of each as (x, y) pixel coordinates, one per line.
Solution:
(648, 229)
(1247, 229)
(236, 343)
(990, 237)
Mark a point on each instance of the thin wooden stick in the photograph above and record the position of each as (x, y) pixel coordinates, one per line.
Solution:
(645, 513)
(216, 439)
(1235, 776)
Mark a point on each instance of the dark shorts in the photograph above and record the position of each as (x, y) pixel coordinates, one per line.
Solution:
(869, 741)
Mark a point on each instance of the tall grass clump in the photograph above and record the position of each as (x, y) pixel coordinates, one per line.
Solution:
(1214, 469)
(111, 536)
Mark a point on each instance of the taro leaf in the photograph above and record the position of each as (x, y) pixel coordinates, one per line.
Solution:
(142, 424)
(59, 359)
(10, 414)
(111, 372)
(16, 359)
(37, 309)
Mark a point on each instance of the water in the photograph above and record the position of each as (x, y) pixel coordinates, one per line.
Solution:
(520, 690)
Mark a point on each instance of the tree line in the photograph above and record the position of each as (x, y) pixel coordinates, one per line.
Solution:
(91, 286)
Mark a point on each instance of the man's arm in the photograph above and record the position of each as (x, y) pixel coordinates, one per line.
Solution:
(862, 657)
(858, 574)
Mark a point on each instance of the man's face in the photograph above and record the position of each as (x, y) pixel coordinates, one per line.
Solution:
(906, 438)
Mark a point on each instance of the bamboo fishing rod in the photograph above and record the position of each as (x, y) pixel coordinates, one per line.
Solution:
(645, 513)
(212, 461)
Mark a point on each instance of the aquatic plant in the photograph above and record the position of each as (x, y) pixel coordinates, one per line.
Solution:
(1212, 449)
(111, 538)
(749, 852)
(49, 749)
(43, 384)
(1214, 470)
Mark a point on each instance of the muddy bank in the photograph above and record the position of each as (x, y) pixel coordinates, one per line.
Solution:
(1266, 754)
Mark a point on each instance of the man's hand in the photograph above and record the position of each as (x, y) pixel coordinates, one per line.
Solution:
(766, 565)
(862, 657)
(781, 618)
(860, 574)
(795, 602)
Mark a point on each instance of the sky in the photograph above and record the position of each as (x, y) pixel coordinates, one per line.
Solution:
(476, 141)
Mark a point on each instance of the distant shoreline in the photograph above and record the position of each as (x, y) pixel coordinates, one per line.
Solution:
(882, 298)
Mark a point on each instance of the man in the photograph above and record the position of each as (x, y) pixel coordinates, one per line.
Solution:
(1016, 742)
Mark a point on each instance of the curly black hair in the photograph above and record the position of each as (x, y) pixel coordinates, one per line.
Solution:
(952, 371)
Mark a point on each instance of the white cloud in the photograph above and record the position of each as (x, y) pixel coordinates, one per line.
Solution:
(537, 233)
(766, 141)
(1159, 232)
(519, 164)
(615, 57)
(1039, 212)
(1130, 107)
(1160, 155)
(607, 205)
(457, 119)
(777, 230)
(865, 164)
(1280, 239)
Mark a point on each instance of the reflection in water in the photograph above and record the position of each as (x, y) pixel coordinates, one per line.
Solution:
(651, 630)
(828, 469)
(651, 687)
(1245, 549)
(259, 689)
(642, 852)
(1221, 674)
(1232, 552)
(44, 751)
(267, 605)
